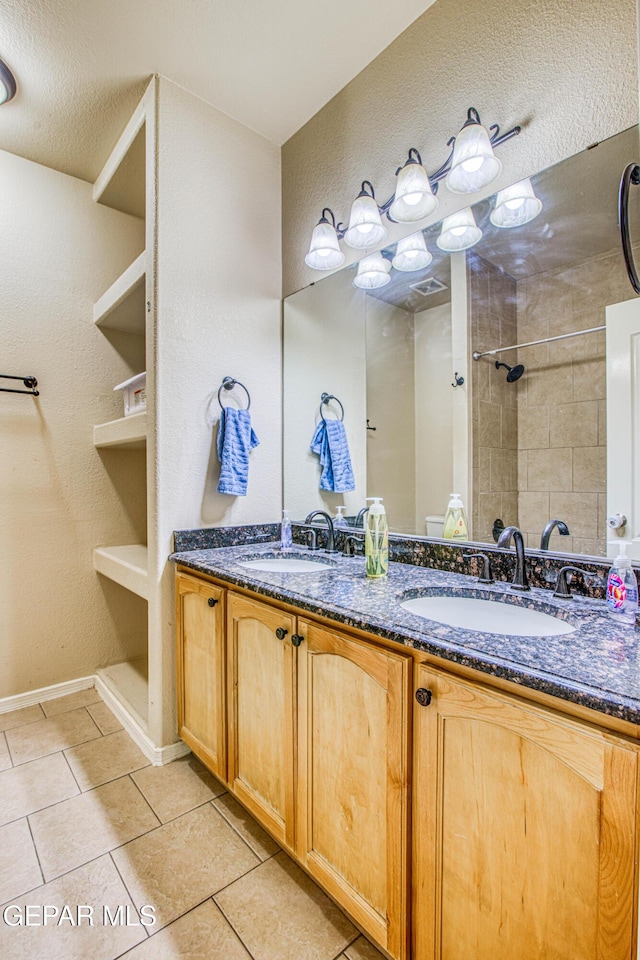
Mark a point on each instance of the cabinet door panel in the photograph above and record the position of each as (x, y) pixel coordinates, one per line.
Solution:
(522, 848)
(201, 671)
(261, 723)
(352, 778)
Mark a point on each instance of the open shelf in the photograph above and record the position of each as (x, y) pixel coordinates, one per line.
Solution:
(122, 306)
(129, 683)
(121, 184)
(125, 432)
(126, 565)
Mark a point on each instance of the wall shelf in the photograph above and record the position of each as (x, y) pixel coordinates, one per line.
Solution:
(126, 565)
(129, 682)
(121, 184)
(122, 306)
(126, 432)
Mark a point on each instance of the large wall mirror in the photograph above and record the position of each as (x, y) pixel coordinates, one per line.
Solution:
(522, 446)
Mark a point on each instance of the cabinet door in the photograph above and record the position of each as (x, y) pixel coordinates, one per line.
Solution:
(352, 830)
(524, 831)
(261, 665)
(201, 671)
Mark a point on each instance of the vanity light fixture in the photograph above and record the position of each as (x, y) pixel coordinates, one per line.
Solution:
(7, 84)
(414, 198)
(412, 253)
(365, 226)
(373, 272)
(516, 205)
(471, 165)
(459, 232)
(324, 250)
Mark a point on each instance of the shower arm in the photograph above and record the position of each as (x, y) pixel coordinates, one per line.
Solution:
(534, 343)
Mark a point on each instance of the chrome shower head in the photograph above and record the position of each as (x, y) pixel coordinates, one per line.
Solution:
(514, 372)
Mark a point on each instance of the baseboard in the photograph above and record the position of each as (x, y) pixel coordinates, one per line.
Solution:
(129, 719)
(136, 728)
(46, 693)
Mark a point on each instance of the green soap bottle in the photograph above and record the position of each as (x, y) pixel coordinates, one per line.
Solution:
(376, 540)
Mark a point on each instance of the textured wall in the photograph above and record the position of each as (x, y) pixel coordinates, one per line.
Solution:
(58, 619)
(566, 72)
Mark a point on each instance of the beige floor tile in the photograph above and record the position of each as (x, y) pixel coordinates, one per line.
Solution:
(361, 949)
(5, 757)
(250, 831)
(35, 785)
(279, 913)
(107, 758)
(95, 885)
(19, 869)
(16, 718)
(72, 701)
(177, 787)
(47, 736)
(185, 861)
(106, 720)
(202, 934)
(77, 830)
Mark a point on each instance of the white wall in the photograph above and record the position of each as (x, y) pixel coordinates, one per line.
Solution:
(60, 252)
(325, 346)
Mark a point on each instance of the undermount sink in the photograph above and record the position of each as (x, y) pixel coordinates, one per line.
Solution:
(287, 565)
(488, 616)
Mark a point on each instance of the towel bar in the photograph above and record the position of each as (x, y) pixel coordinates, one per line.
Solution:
(30, 382)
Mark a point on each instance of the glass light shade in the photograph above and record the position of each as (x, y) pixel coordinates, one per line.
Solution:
(372, 272)
(516, 205)
(414, 198)
(324, 250)
(459, 232)
(473, 164)
(7, 84)
(412, 254)
(365, 226)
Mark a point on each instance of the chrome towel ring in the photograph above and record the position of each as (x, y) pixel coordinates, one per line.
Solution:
(324, 399)
(228, 383)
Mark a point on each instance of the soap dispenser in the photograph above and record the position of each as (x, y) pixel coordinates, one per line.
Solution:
(286, 539)
(455, 520)
(376, 540)
(340, 521)
(622, 589)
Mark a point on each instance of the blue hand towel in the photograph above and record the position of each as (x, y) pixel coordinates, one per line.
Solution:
(235, 439)
(330, 443)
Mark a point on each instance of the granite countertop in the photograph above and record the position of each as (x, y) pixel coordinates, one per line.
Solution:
(596, 666)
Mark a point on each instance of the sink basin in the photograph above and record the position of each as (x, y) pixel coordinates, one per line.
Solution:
(488, 616)
(287, 565)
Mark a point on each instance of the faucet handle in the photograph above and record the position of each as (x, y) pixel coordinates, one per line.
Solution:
(486, 567)
(562, 590)
(351, 545)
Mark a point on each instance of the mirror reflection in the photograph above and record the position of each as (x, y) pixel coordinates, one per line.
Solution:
(521, 432)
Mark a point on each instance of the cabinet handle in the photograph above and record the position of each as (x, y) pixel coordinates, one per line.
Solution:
(296, 639)
(423, 696)
(212, 601)
(281, 633)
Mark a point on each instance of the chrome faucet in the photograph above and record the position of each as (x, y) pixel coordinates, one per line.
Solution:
(563, 530)
(520, 581)
(331, 547)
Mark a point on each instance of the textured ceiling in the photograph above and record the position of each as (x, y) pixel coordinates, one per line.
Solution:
(81, 65)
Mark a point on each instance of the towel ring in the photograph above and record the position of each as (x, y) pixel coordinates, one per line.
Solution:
(228, 383)
(325, 398)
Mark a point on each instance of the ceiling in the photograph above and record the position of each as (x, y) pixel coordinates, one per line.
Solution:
(82, 65)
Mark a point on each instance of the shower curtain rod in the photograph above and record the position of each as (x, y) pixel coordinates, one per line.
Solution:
(534, 343)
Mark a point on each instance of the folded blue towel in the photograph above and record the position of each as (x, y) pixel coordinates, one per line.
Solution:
(235, 439)
(330, 443)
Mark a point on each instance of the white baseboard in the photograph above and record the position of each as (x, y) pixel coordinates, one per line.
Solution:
(136, 727)
(131, 722)
(46, 693)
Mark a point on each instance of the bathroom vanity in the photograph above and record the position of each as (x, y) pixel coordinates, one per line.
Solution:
(460, 794)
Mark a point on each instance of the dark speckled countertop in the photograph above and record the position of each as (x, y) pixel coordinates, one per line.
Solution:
(596, 666)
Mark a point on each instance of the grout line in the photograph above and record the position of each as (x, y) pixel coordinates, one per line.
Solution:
(6, 743)
(129, 894)
(35, 849)
(241, 877)
(143, 796)
(235, 829)
(72, 773)
(246, 843)
(230, 924)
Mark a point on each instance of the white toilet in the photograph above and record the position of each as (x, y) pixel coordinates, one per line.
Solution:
(435, 526)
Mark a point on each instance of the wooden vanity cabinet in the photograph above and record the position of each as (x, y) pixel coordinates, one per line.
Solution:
(261, 694)
(524, 830)
(201, 671)
(353, 778)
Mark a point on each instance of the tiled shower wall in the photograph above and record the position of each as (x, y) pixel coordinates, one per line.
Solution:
(562, 402)
(494, 416)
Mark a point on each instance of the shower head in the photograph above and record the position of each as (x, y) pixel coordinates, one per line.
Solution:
(514, 372)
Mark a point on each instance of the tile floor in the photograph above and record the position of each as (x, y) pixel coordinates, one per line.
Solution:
(86, 821)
